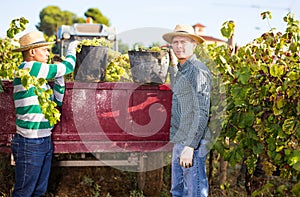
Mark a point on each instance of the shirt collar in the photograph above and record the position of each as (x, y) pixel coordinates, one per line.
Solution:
(181, 67)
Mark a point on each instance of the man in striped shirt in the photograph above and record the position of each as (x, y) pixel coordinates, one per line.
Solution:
(31, 144)
(191, 85)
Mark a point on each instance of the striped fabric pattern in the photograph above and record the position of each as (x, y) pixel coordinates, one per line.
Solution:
(30, 120)
(191, 86)
(59, 90)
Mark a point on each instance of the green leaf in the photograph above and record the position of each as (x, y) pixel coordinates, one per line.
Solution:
(239, 94)
(26, 81)
(277, 111)
(276, 70)
(277, 157)
(271, 144)
(10, 33)
(258, 148)
(281, 134)
(297, 166)
(244, 75)
(287, 152)
(266, 14)
(251, 134)
(293, 75)
(294, 158)
(227, 29)
(279, 102)
(246, 119)
(41, 81)
(288, 125)
(296, 189)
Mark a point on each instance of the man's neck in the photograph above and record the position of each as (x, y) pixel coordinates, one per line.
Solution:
(183, 60)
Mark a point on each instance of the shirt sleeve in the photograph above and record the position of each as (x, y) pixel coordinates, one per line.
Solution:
(202, 106)
(50, 71)
(59, 90)
(173, 71)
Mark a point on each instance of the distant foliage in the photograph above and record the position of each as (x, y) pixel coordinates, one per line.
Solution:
(97, 16)
(52, 17)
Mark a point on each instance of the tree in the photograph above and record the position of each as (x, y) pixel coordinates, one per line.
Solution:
(97, 16)
(52, 17)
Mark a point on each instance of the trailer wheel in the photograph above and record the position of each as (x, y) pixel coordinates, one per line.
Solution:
(150, 179)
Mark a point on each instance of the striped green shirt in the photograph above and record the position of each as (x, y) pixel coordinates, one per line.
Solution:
(30, 121)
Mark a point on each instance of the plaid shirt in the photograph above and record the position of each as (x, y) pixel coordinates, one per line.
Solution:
(191, 86)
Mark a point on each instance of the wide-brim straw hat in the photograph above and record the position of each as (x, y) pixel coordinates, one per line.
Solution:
(183, 30)
(32, 40)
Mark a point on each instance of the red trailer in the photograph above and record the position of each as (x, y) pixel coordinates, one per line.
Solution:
(104, 124)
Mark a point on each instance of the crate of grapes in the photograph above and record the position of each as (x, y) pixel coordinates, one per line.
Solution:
(149, 66)
(91, 60)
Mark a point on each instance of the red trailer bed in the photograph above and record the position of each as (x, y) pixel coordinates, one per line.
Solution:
(102, 117)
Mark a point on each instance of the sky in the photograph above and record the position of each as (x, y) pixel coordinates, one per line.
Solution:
(143, 19)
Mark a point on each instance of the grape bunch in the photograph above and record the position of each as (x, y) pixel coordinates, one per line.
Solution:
(93, 42)
(150, 49)
(118, 68)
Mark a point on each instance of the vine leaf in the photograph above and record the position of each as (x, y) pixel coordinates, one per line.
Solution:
(227, 29)
(276, 70)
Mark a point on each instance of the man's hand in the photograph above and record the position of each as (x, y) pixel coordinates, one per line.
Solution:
(72, 47)
(186, 157)
(173, 58)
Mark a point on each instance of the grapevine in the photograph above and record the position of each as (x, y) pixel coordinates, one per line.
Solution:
(263, 101)
(9, 62)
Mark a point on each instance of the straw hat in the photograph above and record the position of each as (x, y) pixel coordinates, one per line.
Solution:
(32, 40)
(183, 30)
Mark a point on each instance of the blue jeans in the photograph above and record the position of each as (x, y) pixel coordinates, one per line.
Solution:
(33, 164)
(189, 182)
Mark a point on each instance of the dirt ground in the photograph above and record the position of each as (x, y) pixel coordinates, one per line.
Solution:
(93, 181)
(97, 181)
(112, 182)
